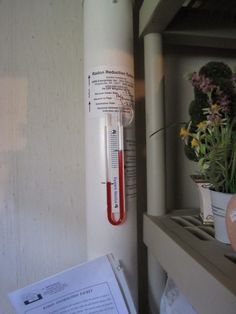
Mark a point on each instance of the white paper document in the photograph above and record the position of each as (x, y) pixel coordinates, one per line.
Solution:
(96, 287)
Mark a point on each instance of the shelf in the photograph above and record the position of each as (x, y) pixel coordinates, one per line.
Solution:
(203, 268)
(210, 24)
(157, 10)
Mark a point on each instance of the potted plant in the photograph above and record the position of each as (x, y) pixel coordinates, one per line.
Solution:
(210, 135)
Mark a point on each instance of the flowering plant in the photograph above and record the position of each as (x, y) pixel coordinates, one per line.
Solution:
(210, 135)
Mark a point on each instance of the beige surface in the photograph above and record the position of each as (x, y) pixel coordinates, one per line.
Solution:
(42, 224)
(198, 266)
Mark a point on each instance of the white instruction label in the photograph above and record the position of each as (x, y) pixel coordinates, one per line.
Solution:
(110, 90)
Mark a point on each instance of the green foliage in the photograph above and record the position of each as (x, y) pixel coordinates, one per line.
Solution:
(219, 161)
(196, 111)
(220, 75)
(216, 69)
(210, 135)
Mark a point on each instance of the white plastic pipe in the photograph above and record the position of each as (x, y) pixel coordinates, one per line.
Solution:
(154, 79)
(108, 63)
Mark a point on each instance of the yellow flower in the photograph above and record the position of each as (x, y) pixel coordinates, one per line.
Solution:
(215, 108)
(202, 125)
(194, 143)
(183, 132)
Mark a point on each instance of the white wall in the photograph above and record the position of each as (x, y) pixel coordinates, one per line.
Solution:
(179, 61)
(42, 218)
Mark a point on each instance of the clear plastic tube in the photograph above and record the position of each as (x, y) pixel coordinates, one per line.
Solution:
(115, 181)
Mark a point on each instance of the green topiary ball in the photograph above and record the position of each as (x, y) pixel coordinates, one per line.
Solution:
(190, 153)
(214, 79)
(221, 75)
(215, 69)
(195, 110)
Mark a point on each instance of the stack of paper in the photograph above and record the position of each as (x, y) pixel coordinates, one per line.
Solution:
(96, 287)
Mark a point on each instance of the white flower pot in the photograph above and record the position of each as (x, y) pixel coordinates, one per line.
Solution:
(204, 200)
(219, 202)
(205, 203)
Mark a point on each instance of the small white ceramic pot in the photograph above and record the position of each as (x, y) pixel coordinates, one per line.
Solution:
(219, 202)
